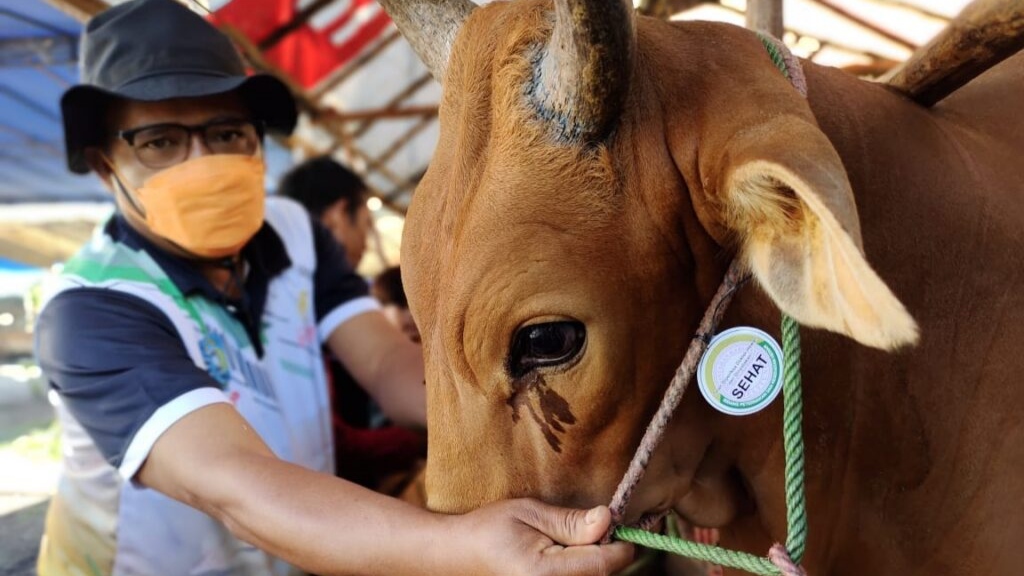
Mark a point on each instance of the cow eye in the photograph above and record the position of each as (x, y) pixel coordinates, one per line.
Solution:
(548, 344)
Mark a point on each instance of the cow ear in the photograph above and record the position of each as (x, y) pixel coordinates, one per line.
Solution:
(783, 190)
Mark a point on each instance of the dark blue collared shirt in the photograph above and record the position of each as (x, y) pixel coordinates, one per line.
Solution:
(115, 358)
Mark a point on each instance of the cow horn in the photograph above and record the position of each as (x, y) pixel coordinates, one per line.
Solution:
(430, 26)
(584, 74)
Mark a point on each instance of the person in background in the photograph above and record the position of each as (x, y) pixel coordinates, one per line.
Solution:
(184, 346)
(387, 288)
(336, 196)
(372, 456)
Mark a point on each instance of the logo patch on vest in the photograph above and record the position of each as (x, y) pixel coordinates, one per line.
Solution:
(214, 351)
(224, 361)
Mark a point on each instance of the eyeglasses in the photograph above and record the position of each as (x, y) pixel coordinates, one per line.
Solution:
(164, 145)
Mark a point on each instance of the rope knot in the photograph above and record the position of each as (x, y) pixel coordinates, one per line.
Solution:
(779, 556)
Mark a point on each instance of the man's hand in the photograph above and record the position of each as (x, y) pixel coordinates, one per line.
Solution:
(530, 538)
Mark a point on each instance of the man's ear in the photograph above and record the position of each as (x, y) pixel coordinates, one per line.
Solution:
(94, 157)
(342, 206)
(335, 214)
(782, 190)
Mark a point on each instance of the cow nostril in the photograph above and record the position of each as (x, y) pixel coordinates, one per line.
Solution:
(543, 345)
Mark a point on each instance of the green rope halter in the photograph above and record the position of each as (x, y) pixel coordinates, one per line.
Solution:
(795, 505)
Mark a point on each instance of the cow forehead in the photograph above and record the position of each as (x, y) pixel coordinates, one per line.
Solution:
(500, 186)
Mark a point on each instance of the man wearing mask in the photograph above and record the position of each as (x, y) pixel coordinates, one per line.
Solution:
(184, 345)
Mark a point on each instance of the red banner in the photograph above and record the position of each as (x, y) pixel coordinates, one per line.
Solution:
(334, 36)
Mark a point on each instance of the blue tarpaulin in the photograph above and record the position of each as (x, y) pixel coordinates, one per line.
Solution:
(38, 46)
(8, 265)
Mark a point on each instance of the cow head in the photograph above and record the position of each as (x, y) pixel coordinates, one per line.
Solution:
(593, 178)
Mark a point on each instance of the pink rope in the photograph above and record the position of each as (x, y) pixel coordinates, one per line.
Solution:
(779, 556)
(650, 521)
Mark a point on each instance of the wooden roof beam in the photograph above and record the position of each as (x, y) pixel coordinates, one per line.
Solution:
(915, 7)
(38, 245)
(393, 104)
(340, 76)
(301, 18)
(332, 115)
(80, 10)
(832, 43)
(400, 143)
(983, 35)
(831, 5)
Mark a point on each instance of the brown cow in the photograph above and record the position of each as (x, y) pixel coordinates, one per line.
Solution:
(594, 177)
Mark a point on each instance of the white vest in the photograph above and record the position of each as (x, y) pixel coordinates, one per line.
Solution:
(100, 521)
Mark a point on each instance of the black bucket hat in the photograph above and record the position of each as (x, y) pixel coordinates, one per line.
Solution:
(154, 50)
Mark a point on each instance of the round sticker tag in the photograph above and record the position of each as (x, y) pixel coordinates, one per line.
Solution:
(741, 371)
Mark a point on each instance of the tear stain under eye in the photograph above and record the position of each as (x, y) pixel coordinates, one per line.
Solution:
(550, 411)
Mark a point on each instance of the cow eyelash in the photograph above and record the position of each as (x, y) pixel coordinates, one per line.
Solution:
(545, 345)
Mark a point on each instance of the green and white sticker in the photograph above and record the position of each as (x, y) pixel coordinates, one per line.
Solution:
(741, 371)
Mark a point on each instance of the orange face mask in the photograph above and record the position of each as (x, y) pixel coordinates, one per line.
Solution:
(210, 205)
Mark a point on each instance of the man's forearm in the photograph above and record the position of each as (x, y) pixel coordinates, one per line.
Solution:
(212, 460)
(326, 525)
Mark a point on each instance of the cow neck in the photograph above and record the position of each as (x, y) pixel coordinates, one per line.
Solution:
(781, 559)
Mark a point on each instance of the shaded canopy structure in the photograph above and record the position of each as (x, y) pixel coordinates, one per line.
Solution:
(365, 96)
(371, 103)
(38, 55)
(46, 212)
(377, 110)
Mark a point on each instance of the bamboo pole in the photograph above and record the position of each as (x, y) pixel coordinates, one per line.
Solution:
(765, 16)
(401, 142)
(984, 34)
(866, 24)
